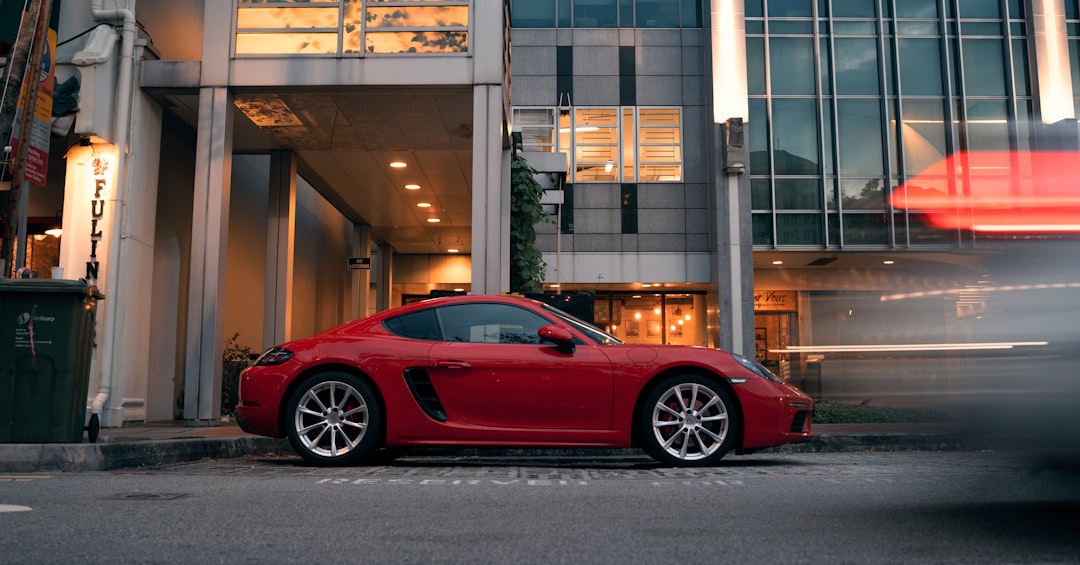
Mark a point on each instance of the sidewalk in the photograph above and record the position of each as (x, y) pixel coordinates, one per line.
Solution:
(167, 442)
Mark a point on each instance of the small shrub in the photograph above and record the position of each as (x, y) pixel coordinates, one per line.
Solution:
(234, 360)
(829, 412)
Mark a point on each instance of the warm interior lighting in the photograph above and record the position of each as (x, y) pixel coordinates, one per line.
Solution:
(656, 311)
(459, 289)
(637, 315)
(888, 262)
(433, 220)
(610, 165)
(55, 231)
(452, 250)
(423, 204)
(412, 187)
(908, 347)
(398, 164)
(777, 262)
(687, 317)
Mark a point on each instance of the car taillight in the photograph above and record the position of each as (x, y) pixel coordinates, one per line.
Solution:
(273, 356)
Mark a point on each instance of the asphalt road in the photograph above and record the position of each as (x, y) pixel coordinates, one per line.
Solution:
(896, 507)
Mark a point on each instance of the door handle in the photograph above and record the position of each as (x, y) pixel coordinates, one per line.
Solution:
(452, 364)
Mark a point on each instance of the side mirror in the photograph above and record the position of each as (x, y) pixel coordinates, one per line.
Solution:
(564, 340)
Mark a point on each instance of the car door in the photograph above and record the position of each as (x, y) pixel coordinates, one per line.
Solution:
(491, 369)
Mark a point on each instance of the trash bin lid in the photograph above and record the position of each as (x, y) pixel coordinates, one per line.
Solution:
(8, 286)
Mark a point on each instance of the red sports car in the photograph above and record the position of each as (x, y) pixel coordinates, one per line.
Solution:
(487, 371)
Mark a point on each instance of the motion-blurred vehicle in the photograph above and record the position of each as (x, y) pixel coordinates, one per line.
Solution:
(488, 371)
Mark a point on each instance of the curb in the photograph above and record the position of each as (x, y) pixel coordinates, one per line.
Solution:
(75, 457)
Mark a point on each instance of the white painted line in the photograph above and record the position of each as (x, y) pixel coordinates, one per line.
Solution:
(13, 508)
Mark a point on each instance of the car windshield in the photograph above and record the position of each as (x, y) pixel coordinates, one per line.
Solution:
(596, 334)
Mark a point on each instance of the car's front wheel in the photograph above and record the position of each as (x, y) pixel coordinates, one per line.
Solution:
(688, 421)
(334, 418)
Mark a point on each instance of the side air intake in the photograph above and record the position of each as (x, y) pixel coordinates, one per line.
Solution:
(424, 393)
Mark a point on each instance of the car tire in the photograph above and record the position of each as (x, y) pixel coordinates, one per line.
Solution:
(688, 421)
(334, 419)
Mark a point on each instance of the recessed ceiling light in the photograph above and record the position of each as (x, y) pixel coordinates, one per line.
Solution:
(434, 220)
(888, 262)
(423, 204)
(777, 262)
(451, 250)
(412, 187)
(459, 289)
(398, 164)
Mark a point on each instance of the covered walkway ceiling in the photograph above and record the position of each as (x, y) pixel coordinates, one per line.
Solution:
(346, 140)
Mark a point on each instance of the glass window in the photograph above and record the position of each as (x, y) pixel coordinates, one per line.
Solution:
(799, 229)
(760, 197)
(920, 67)
(657, 13)
(759, 138)
(761, 226)
(659, 145)
(984, 67)
(1020, 68)
(537, 127)
(691, 13)
(752, 8)
(798, 194)
(791, 65)
(489, 323)
(596, 144)
(862, 194)
(854, 9)
(755, 65)
(626, 13)
(790, 8)
(923, 131)
(795, 136)
(927, 9)
(866, 229)
(530, 13)
(856, 66)
(860, 150)
(417, 325)
(564, 14)
(596, 13)
(987, 128)
(990, 9)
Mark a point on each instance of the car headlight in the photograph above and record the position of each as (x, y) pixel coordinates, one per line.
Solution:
(273, 356)
(757, 368)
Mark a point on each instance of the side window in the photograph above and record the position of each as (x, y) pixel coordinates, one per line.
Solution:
(490, 323)
(417, 325)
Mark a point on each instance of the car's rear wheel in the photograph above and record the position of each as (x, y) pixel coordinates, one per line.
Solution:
(334, 418)
(688, 421)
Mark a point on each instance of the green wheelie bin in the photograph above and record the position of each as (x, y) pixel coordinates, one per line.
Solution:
(46, 335)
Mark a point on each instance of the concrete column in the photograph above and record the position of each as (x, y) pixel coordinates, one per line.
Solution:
(361, 278)
(205, 340)
(280, 246)
(491, 188)
(733, 265)
(385, 272)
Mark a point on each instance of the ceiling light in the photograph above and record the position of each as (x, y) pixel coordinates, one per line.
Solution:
(451, 250)
(412, 187)
(610, 165)
(423, 204)
(777, 262)
(459, 289)
(888, 262)
(398, 164)
(433, 220)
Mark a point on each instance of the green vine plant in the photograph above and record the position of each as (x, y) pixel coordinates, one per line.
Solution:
(526, 263)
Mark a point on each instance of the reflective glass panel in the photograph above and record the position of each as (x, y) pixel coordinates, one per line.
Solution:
(530, 13)
(759, 138)
(657, 13)
(795, 136)
(791, 61)
(923, 132)
(856, 66)
(417, 42)
(790, 8)
(760, 198)
(418, 16)
(978, 8)
(917, 9)
(866, 229)
(984, 67)
(920, 67)
(798, 194)
(860, 151)
(691, 13)
(596, 13)
(762, 229)
(799, 229)
(853, 9)
(755, 65)
(862, 194)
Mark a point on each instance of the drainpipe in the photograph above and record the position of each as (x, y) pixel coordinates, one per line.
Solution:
(121, 130)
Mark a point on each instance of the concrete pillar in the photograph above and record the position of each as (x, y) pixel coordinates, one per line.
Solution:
(491, 198)
(361, 278)
(385, 272)
(205, 340)
(280, 247)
